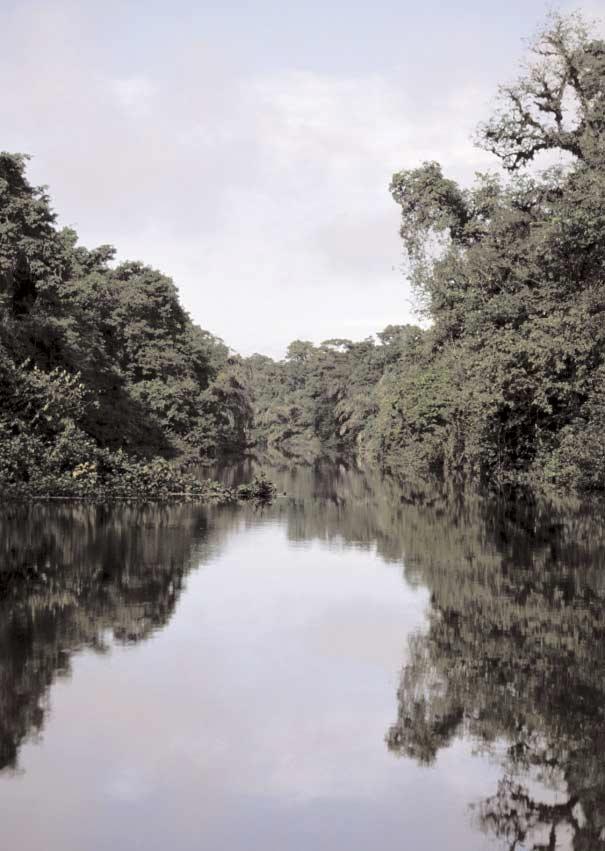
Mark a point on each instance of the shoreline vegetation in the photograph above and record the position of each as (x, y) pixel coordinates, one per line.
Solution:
(506, 387)
(158, 482)
(109, 390)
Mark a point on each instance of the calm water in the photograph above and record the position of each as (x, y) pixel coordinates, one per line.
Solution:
(354, 667)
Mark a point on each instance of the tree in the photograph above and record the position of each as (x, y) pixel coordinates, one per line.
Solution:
(322, 399)
(102, 367)
(31, 252)
(506, 383)
(558, 104)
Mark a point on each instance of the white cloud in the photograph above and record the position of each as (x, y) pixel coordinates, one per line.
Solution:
(133, 93)
(265, 196)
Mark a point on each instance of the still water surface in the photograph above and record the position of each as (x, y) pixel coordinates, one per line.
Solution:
(354, 667)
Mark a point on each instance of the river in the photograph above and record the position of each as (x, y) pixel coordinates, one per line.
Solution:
(358, 665)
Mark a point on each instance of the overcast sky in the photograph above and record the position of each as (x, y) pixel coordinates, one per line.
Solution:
(245, 148)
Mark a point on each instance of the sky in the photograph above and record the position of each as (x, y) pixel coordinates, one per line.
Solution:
(246, 148)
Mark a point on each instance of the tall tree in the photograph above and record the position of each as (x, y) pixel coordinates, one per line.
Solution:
(507, 383)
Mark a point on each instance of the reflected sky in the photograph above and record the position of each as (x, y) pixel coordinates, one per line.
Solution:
(255, 719)
(318, 674)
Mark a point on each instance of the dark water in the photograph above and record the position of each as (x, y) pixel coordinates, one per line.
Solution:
(358, 666)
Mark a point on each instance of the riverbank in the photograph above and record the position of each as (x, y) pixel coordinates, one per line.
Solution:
(157, 479)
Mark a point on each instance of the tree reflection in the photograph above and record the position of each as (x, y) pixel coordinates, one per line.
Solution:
(513, 656)
(82, 576)
(514, 659)
(74, 576)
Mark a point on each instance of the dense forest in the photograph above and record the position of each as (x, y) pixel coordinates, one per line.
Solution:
(105, 380)
(320, 399)
(507, 382)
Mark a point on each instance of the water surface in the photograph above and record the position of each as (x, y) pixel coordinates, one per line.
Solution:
(358, 665)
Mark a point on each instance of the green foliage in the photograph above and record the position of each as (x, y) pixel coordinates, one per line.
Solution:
(103, 374)
(558, 103)
(321, 397)
(506, 383)
(31, 251)
(45, 451)
(260, 489)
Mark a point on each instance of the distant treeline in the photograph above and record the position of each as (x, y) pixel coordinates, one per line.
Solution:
(508, 382)
(325, 398)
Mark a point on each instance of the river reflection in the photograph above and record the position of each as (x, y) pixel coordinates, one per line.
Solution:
(360, 664)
